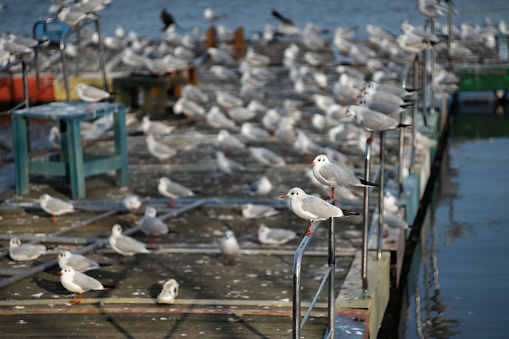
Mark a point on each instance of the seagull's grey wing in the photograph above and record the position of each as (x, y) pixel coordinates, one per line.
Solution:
(94, 92)
(85, 282)
(27, 251)
(81, 263)
(179, 189)
(153, 226)
(129, 245)
(58, 205)
(281, 235)
(317, 207)
(164, 149)
(378, 121)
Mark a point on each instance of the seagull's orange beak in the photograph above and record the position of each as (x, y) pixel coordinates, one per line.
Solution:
(284, 196)
(311, 163)
(60, 272)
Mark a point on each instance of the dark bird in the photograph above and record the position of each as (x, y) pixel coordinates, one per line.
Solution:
(281, 17)
(167, 19)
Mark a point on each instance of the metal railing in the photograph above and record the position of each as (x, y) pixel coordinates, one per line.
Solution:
(299, 323)
(62, 45)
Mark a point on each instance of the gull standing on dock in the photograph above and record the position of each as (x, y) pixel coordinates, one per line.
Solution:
(26, 252)
(90, 94)
(55, 206)
(155, 128)
(173, 190)
(152, 226)
(335, 175)
(159, 150)
(131, 203)
(266, 157)
(78, 282)
(125, 245)
(252, 211)
(372, 121)
(274, 236)
(229, 247)
(79, 262)
(313, 208)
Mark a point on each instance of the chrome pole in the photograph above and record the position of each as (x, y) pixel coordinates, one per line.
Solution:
(432, 76)
(381, 198)
(364, 265)
(424, 82)
(332, 265)
(449, 34)
(101, 55)
(414, 117)
(24, 70)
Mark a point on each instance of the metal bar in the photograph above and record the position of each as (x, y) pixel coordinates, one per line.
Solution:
(297, 266)
(414, 119)
(332, 281)
(364, 265)
(424, 82)
(315, 299)
(381, 198)
(101, 55)
(401, 152)
(432, 75)
(49, 239)
(449, 34)
(24, 71)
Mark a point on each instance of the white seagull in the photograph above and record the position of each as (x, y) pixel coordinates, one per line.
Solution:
(90, 94)
(78, 282)
(173, 190)
(79, 262)
(159, 150)
(252, 211)
(124, 244)
(274, 236)
(313, 208)
(55, 206)
(26, 252)
(229, 247)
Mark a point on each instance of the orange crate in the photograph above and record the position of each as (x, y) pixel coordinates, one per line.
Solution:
(11, 88)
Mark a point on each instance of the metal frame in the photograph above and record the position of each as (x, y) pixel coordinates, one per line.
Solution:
(298, 322)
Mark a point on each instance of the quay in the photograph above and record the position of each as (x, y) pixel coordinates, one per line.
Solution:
(269, 289)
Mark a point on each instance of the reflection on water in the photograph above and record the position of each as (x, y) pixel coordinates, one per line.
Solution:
(460, 287)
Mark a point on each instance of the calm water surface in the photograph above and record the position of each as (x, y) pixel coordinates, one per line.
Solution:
(461, 290)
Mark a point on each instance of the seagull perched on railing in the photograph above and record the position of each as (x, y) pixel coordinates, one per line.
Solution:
(90, 94)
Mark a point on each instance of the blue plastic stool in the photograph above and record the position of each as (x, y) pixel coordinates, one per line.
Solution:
(71, 162)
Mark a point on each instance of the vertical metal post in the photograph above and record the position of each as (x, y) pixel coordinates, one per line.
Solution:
(65, 74)
(424, 84)
(432, 76)
(414, 116)
(297, 266)
(364, 265)
(24, 70)
(101, 55)
(381, 198)
(401, 153)
(332, 290)
(449, 34)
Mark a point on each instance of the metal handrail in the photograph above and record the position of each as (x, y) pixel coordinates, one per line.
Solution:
(298, 323)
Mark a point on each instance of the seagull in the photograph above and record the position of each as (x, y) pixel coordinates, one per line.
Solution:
(380, 95)
(212, 16)
(167, 19)
(261, 186)
(256, 59)
(336, 175)
(253, 133)
(251, 211)
(313, 208)
(229, 142)
(226, 165)
(55, 206)
(90, 94)
(227, 100)
(72, 16)
(229, 247)
(172, 190)
(194, 93)
(78, 282)
(287, 27)
(124, 244)
(55, 138)
(169, 292)
(266, 156)
(274, 236)
(391, 203)
(159, 150)
(223, 73)
(152, 226)
(189, 107)
(217, 119)
(241, 114)
(26, 252)
(220, 56)
(79, 262)
(372, 121)
(131, 203)
(155, 128)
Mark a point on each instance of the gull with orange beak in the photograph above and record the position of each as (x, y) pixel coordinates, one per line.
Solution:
(313, 208)
(78, 282)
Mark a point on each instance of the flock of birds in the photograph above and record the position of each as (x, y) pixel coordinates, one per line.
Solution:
(352, 89)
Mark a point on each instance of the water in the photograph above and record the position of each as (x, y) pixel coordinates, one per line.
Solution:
(143, 16)
(462, 281)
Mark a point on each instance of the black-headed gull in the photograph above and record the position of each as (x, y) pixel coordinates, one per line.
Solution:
(124, 244)
(90, 94)
(313, 208)
(26, 252)
(79, 262)
(131, 203)
(335, 175)
(55, 206)
(274, 236)
(159, 150)
(173, 190)
(252, 211)
(229, 247)
(152, 226)
(155, 128)
(78, 282)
